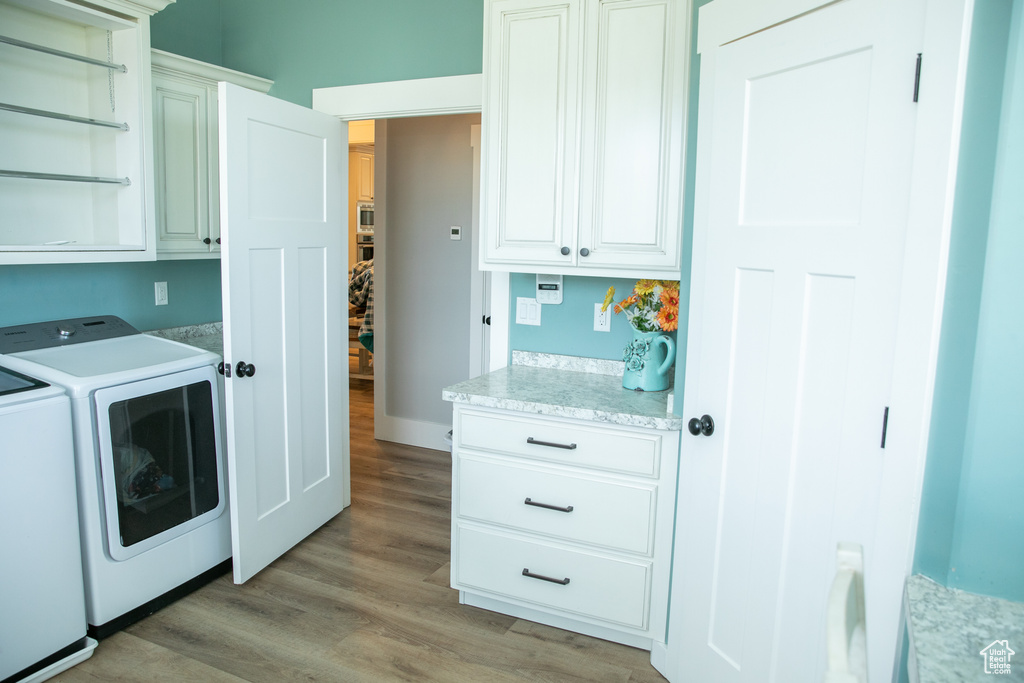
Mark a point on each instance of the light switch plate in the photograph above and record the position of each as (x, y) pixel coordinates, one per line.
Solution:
(160, 289)
(602, 319)
(527, 311)
(455, 232)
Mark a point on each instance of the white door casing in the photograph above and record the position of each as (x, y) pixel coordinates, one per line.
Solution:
(811, 237)
(283, 222)
(400, 99)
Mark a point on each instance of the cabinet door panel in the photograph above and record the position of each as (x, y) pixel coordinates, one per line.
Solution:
(530, 123)
(364, 171)
(631, 174)
(182, 170)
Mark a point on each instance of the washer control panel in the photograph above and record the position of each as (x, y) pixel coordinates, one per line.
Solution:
(54, 333)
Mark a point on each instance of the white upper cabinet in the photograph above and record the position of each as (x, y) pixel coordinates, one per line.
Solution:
(531, 93)
(187, 187)
(74, 129)
(585, 122)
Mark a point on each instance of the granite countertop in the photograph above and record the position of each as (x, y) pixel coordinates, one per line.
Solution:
(565, 386)
(207, 336)
(949, 628)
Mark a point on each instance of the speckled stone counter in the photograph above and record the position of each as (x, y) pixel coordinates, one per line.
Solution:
(949, 629)
(566, 386)
(208, 336)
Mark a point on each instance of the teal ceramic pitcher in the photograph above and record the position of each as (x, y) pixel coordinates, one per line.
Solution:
(648, 357)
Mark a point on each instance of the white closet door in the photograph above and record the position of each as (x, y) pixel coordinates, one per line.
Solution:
(805, 159)
(283, 222)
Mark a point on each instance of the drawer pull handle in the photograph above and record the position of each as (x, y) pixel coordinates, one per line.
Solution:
(568, 447)
(563, 582)
(546, 506)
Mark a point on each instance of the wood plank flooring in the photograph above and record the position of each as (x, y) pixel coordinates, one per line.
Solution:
(364, 598)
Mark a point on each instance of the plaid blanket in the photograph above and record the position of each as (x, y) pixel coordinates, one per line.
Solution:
(360, 293)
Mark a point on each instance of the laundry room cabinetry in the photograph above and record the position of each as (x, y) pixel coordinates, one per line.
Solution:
(585, 120)
(563, 521)
(74, 129)
(185, 156)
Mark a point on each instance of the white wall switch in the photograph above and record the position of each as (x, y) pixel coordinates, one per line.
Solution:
(161, 293)
(527, 311)
(602, 319)
(456, 232)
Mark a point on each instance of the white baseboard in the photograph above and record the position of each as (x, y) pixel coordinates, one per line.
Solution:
(411, 432)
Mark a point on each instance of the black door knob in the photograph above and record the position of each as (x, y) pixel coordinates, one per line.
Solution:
(244, 369)
(220, 367)
(218, 240)
(584, 252)
(565, 251)
(206, 240)
(704, 425)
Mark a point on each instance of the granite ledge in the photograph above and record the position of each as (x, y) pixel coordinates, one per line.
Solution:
(206, 336)
(949, 628)
(557, 392)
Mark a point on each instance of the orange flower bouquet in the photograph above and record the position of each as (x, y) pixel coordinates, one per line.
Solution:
(652, 306)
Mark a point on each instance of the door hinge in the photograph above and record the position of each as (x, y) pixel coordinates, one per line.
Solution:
(885, 424)
(917, 77)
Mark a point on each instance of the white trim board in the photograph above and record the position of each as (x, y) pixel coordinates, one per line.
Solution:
(402, 99)
(413, 432)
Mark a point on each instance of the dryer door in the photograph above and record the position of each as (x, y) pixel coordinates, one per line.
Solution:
(160, 459)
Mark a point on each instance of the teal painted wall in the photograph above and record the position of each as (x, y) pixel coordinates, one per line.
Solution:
(568, 328)
(37, 293)
(972, 511)
(321, 43)
(191, 28)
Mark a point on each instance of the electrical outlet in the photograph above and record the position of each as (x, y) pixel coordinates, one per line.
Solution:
(602, 319)
(161, 293)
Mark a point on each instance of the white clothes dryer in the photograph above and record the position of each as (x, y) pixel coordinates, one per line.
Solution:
(148, 456)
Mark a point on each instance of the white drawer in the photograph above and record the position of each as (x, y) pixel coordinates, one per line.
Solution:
(574, 443)
(612, 514)
(598, 587)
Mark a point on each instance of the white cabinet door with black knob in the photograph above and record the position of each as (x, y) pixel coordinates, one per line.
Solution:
(185, 157)
(585, 113)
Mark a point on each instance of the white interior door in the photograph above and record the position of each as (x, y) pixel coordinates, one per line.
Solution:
(284, 228)
(805, 150)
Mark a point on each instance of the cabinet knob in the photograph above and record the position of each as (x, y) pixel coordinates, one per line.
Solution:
(218, 240)
(244, 369)
(584, 252)
(207, 240)
(703, 425)
(565, 251)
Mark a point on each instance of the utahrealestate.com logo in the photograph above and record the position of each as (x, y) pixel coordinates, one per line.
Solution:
(997, 657)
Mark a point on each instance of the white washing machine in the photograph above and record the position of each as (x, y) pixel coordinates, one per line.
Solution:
(42, 596)
(149, 461)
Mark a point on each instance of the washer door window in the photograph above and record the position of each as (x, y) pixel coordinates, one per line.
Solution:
(159, 445)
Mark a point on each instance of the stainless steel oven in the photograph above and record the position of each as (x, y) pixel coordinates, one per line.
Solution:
(364, 211)
(364, 247)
